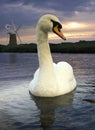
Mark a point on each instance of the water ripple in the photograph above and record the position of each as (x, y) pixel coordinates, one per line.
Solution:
(19, 110)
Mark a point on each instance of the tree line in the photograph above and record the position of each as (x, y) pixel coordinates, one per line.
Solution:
(68, 47)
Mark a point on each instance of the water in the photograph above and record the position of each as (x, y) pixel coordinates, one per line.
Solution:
(21, 111)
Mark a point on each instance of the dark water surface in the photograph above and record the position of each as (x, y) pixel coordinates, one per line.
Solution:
(20, 111)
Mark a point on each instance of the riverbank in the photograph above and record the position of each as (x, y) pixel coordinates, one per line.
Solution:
(78, 47)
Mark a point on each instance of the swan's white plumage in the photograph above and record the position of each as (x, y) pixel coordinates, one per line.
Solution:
(50, 79)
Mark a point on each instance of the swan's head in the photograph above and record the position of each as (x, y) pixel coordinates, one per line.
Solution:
(48, 23)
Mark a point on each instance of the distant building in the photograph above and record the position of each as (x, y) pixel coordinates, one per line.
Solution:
(12, 31)
(12, 39)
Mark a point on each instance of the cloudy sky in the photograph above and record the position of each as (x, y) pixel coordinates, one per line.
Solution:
(77, 18)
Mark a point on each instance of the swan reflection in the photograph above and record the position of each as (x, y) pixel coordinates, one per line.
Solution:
(49, 106)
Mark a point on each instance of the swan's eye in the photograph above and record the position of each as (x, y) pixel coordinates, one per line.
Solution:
(56, 24)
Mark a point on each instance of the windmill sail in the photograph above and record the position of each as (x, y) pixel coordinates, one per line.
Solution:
(8, 27)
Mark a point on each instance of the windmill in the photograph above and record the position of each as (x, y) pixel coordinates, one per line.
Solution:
(13, 33)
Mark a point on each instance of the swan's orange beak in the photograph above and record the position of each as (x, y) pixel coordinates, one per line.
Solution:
(58, 32)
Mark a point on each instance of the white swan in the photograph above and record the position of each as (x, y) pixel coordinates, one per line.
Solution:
(50, 79)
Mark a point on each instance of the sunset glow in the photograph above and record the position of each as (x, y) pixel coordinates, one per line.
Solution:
(73, 31)
(77, 19)
(74, 25)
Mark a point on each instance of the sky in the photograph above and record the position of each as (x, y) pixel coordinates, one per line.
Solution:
(76, 16)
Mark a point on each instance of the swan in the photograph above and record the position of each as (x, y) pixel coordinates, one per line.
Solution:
(50, 79)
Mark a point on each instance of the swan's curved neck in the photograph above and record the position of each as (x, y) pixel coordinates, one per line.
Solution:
(45, 59)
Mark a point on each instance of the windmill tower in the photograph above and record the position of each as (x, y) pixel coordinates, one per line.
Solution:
(13, 34)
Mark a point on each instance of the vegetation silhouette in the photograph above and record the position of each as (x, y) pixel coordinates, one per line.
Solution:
(67, 47)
